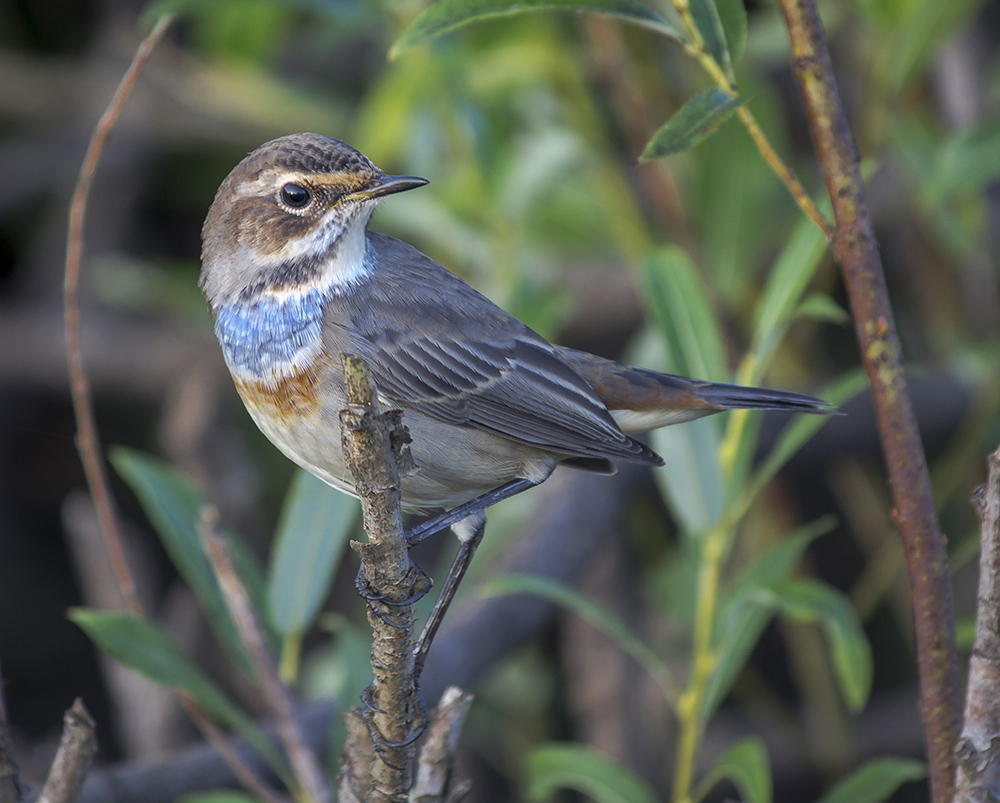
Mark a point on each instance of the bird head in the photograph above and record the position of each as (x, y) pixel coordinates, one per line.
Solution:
(292, 214)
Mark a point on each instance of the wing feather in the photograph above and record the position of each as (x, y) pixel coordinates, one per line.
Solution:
(432, 342)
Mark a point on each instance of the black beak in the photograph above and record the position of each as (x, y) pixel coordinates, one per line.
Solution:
(387, 185)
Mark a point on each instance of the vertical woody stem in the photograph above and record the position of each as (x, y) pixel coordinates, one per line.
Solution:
(87, 440)
(978, 779)
(857, 252)
(370, 439)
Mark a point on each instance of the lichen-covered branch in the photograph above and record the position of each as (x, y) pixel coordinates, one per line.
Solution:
(375, 453)
(437, 758)
(73, 759)
(978, 776)
(857, 252)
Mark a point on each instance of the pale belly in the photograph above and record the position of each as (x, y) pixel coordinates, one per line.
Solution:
(453, 465)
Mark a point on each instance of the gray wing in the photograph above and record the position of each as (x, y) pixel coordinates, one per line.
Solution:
(432, 341)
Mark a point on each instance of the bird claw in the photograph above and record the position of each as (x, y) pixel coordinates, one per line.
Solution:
(380, 743)
(421, 586)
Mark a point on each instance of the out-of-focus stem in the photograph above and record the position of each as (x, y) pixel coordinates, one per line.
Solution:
(856, 250)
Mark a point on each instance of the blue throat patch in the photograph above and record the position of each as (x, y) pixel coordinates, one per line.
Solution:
(260, 335)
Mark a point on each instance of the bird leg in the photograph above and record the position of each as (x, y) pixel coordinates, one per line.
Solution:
(459, 566)
(463, 511)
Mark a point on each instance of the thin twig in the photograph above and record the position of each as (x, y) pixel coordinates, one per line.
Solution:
(724, 80)
(276, 694)
(373, 450)
(437, 757)
(215, 737)
(73, 759)
(856, 250)
(978, 778)
(87, 439)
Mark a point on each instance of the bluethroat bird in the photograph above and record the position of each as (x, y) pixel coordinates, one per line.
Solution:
(294, 279)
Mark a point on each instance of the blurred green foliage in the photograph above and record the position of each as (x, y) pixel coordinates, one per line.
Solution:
(530, 127)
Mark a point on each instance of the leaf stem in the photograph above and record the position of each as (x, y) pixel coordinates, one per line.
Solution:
(689, 705)
(695, 47)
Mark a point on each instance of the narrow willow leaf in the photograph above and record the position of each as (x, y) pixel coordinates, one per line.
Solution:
(249, 571)
(311, 536)
(803, 428)
(876, 781)
(787, 281)
(676, 297)
(174, 507)
(814, 601)
(601, 618)
(819, 307)
(739, 625)
(695, 121)
(552, 767)
(448, 15)
(679, 305)
(706, 19)
(691, 481)
(733, 17)
(145, 648)
(968, 161)
(745, 764)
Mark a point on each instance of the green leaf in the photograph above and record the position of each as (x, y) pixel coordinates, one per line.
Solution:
(174, 508)
(876, 781)
(249, 571)
(691, 481)
(587, 609)
(745, 763)
(739, 625)
(311, 536)
(819, 307)
(448, 15)
(788, 280)
(706, 19)
(552, 767)
(733, 17)
(814, 601)
(675, 296)
(804, 427)
(145, 648)
(968, 161)
(679, 305)
(695, 121)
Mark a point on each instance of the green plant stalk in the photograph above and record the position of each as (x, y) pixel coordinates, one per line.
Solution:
(291, 652)
(696, 49)
(745, 375)
(690, 722)
(856, 250)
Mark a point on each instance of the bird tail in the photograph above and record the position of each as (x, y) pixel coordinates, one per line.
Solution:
(740, 397)
(641, 400)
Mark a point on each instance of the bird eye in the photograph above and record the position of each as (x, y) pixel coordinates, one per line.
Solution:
(295, 196)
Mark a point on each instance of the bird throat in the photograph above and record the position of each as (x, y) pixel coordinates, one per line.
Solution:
(275, 331)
